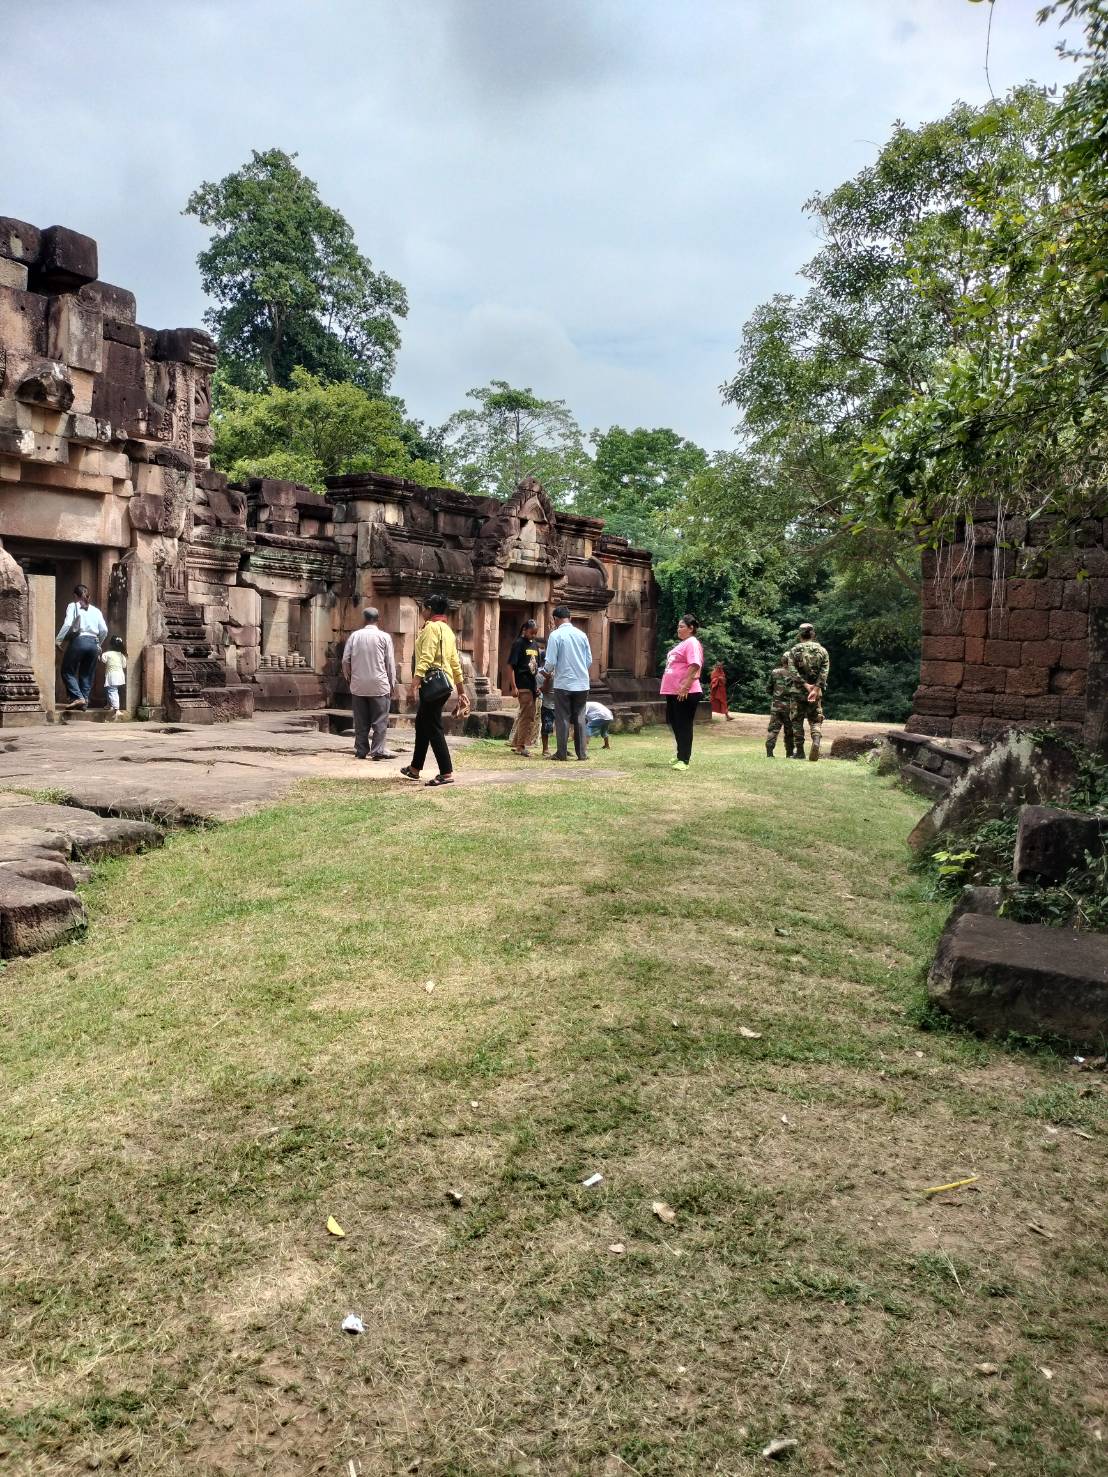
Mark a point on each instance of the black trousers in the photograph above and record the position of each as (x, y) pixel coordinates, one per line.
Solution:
(428, 730)
(569, 712)
(681, 715)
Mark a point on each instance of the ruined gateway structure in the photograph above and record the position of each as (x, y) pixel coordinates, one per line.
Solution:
(1015, 634)
(236, 598)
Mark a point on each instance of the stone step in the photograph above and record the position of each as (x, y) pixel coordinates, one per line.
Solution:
(1006, 978)
(34, 915)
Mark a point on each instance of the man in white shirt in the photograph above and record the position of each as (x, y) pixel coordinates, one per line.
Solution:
(369, 666)
(566, 665)
(86, 628)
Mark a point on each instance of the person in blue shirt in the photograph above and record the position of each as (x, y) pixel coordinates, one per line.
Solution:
(566, 670)
(86, 630)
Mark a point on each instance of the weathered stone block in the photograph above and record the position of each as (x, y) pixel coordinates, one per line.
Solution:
(1069, 625)
(1005, 706)
(1042, 708)
(35, 916)
(75, 334)
(944, 648)
(115, 303)
(966, 726)
(974, 651)
(19, 242)
(1051, 842)
(186, 346)
(1070, 709)
(1074, 655)
(48, 385)
(1028, 681)
(940, 674)
(1016, 771)
(1019, 594)
(1003, 653)
(938, 700)
(66, 261)
(936, 622)
(1029, 625)
(13, 274)
(1042, 653)
(1075, 595)
(976, 623)
(927, 723)
(1068, 684)
(972, 594)
(1001, 978)
(1048, 594)
(22, 330)
(983, 900)
(978, 703)
(984, 679)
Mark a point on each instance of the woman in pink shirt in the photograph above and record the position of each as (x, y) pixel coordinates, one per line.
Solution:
(681, 687)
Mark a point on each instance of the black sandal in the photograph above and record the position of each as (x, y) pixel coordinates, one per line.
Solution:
(438, 781)
(409, 773)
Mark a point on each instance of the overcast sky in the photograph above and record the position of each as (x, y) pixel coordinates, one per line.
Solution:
(585, 196)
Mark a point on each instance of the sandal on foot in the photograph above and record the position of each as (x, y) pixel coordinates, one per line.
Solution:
(439, 780)
(409, 773)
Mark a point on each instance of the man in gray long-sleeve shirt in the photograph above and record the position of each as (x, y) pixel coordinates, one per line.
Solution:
(369, 666)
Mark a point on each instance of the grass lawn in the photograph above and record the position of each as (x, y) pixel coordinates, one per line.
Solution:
(247, 1042)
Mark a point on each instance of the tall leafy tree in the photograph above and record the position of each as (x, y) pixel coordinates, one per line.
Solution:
(509, 434)
(637, 482)
(290, 286)
(313, 430)
(819, 370)
(1015, 411)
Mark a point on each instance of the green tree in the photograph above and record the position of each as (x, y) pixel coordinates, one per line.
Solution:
(290, 285)
(314, 430)
(511, 434)
(637, 482)
(1014, 413)
(818, 371)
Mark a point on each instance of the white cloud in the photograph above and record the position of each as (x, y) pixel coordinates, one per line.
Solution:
(587, 196)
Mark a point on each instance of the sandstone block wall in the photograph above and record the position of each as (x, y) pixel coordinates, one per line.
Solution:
(1015, 636)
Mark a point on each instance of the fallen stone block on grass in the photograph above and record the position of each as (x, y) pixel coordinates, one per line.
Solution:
(1050, 842)
(1001, 977)
(34, 916)
(1018, 770)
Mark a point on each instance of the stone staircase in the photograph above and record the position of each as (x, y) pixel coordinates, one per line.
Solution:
(197, 685)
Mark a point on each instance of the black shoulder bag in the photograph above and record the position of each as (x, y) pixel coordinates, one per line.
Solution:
(436, 683)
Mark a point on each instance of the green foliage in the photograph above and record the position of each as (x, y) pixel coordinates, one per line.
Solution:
(313, 430)
(511, 434)
(1015, 408)
(637, 481)
(290, 285)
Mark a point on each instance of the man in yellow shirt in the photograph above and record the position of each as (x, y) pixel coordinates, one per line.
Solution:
(438, 673)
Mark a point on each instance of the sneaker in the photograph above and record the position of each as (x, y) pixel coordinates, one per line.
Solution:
(679, 764)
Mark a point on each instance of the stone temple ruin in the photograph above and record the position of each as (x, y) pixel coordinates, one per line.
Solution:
(229, 598)
(1015, 634)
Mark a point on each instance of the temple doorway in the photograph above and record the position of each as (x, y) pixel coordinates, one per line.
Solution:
(52, 570)
(512, 616)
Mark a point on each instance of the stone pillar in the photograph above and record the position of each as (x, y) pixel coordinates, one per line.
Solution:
(42, 601)
(19, 694)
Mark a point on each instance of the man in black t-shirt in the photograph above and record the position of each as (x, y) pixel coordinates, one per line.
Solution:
(523, 664)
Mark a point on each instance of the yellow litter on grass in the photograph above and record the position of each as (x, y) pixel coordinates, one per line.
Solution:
(334, 1227)
(954, 1185)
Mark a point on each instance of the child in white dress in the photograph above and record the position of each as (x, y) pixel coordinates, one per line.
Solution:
(115, 673)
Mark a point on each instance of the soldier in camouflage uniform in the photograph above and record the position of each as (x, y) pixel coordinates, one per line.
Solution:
(811, 664)
(783, 687)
